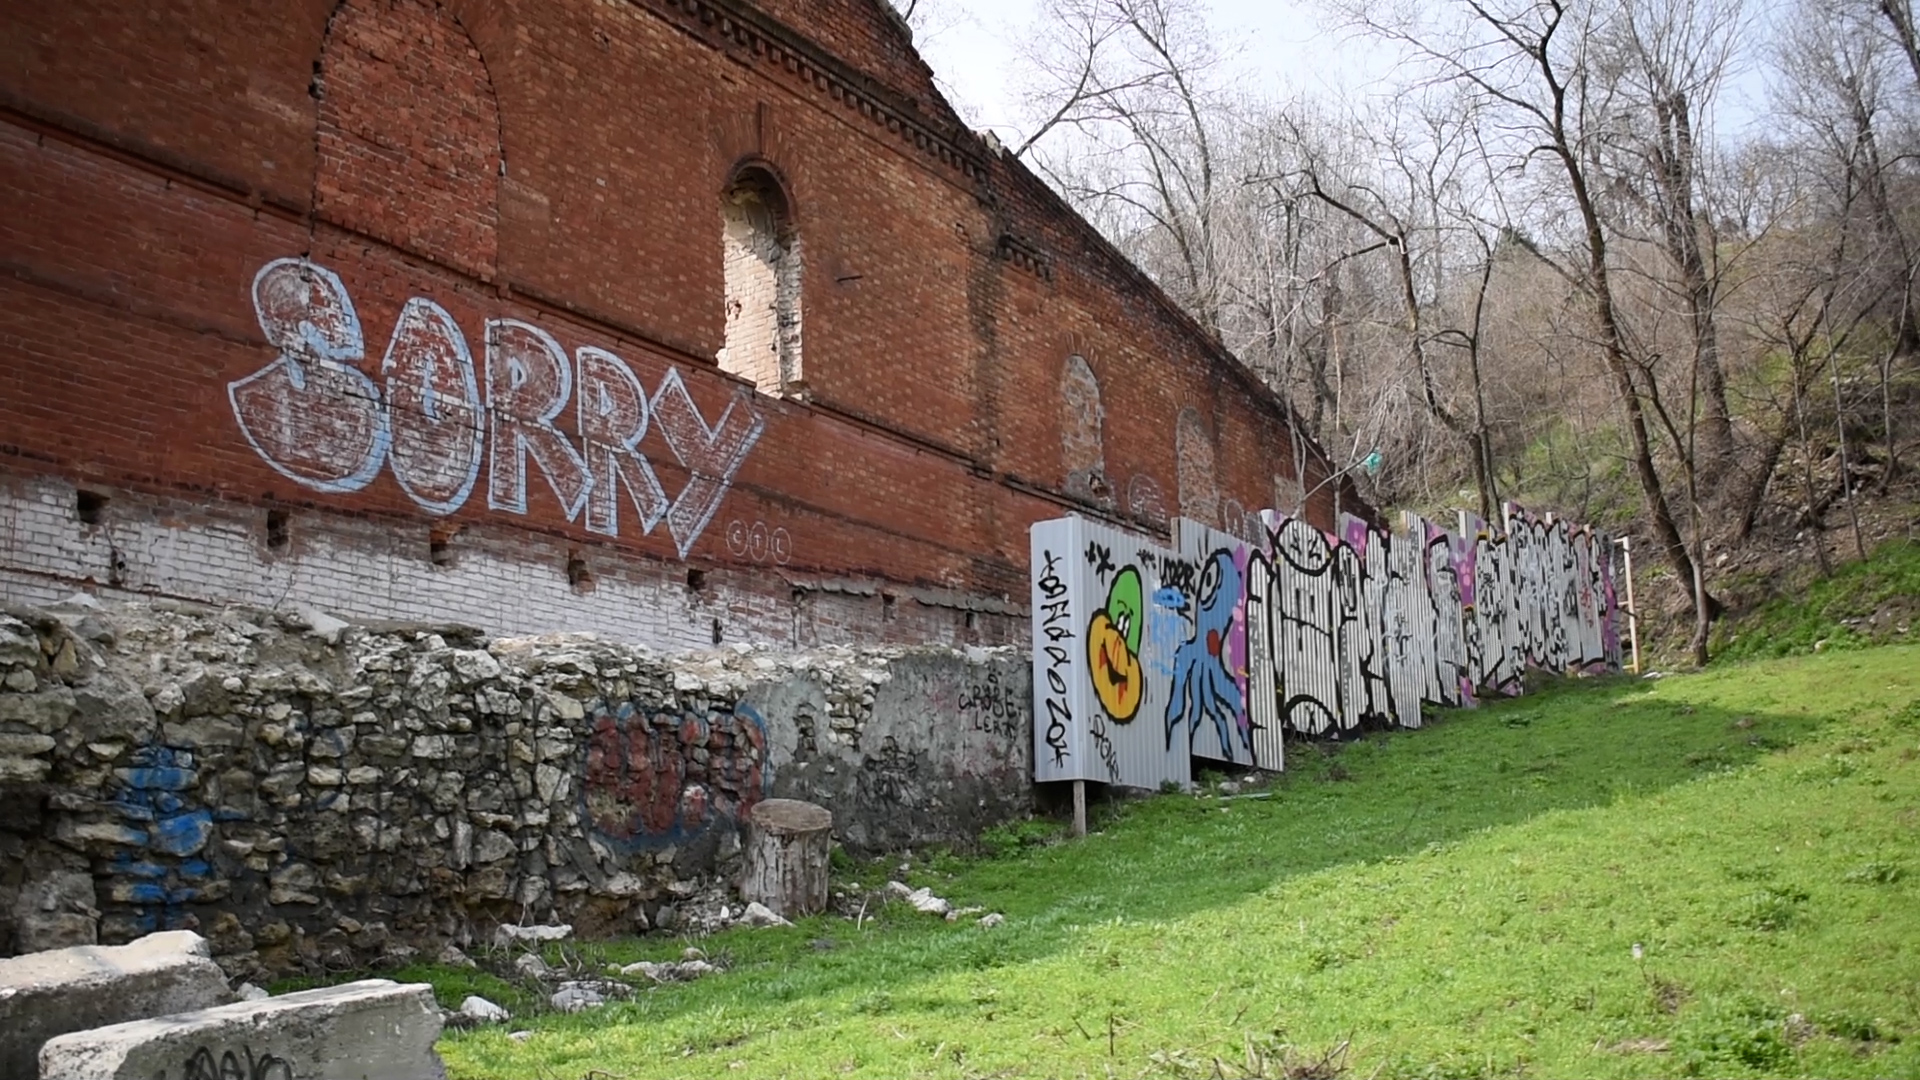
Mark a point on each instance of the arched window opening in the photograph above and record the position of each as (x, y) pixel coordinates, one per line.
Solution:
(761, 253)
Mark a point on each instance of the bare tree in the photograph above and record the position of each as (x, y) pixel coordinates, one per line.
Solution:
(1531, 66)
(1899, 16)
(1122, 89)
(1663, 62)
(1418, 209)
(1835, 94)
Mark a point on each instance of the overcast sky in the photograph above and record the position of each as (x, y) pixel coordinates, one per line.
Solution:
(1278, 48)
(1281, 47)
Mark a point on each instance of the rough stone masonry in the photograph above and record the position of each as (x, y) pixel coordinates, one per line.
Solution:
(308, 793)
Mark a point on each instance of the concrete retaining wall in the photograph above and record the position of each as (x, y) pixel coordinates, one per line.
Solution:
(370, 1030)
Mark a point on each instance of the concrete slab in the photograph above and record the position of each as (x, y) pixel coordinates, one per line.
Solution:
(369, 1030)
(50, 993)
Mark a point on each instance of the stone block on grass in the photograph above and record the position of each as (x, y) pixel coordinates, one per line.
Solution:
(369, 1030)
(46, 994)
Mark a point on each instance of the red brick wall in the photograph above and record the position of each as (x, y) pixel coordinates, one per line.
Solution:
(483, 168)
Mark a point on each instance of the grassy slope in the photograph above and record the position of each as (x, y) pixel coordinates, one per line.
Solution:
(1837, 611)
(1460, 901)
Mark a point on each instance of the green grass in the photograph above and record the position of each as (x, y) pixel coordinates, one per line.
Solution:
(1462, 901)
(1833, 612)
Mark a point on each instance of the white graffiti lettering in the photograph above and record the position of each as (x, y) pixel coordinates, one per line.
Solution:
(314, 416)
(433, 403)
(528, 384)
(613, 420)
(711, 454)
(757, 542)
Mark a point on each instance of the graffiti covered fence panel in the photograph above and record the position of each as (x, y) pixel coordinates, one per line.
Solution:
(1108, 632)
(1146, 657)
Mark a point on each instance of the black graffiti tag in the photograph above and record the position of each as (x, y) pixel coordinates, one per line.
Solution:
(242, 1064)
(1101, 559)
(991, 706)
(1103, 743)
(1181, 575)
(1057, 625)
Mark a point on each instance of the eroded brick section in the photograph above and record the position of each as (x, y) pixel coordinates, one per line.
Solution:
(1083, 421)
(763, 284)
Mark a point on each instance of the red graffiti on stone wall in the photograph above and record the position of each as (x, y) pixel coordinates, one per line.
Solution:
(667, 778)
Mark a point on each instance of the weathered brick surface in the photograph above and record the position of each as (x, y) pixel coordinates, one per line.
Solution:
(560, 164)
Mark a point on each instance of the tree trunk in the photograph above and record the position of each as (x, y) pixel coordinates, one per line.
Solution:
(1614, 350)
(1812, 526)
(1752, 489)
(788, 842)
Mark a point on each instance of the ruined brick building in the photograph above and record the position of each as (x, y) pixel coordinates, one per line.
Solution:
(688, 321)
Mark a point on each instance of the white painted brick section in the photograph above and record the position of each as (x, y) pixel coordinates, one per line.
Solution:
(505, 581)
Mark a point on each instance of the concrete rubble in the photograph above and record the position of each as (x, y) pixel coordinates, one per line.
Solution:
(507, 934)
(922, 900)
(579, 994)
(758, 914)
(670, 971)
(48, 994)
(480, 1010)
(369, 1030)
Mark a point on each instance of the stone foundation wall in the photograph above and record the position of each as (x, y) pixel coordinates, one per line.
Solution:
(311, 793)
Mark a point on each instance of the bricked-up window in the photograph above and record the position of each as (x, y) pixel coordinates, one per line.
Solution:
(409, 132)
(762, 258)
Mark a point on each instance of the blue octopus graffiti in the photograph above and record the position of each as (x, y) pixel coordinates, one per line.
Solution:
(1217, 647)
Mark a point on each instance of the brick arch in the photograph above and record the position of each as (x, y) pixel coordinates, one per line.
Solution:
(1193, 452)
(408, 141)
(762, 262)
(514, 76)
(1083, 420)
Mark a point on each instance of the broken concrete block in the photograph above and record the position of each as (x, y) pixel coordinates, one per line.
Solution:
(758, 914)
(46, 994)
(369, 1030)
(507, 934)
(575, 996)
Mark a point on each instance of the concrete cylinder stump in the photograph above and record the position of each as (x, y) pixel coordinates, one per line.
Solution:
(788, 842)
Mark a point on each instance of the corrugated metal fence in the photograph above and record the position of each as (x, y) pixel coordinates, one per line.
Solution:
(1146, 657)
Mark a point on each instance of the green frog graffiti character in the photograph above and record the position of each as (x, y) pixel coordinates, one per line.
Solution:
(1113, 647)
